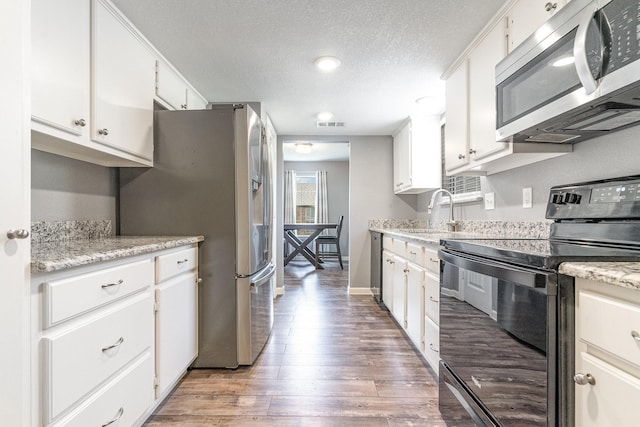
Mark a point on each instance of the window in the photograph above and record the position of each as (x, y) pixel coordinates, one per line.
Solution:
(467, 185)
(305, 199)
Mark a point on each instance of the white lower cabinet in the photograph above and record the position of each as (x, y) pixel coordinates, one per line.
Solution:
(104, 334)
(411, 291)
(607, 354)
(176, 316)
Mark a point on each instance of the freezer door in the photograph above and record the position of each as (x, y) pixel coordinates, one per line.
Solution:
(253, 193)
(255, 313)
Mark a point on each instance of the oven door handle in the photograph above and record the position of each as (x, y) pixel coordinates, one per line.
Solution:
(520, 275)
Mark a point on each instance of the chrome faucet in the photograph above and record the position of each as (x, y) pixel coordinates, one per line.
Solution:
(452, 223)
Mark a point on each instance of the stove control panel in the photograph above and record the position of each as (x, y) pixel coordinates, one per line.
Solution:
(597, 200)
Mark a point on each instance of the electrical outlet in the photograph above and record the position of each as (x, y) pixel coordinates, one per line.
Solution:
(489, 201)
(527, 197)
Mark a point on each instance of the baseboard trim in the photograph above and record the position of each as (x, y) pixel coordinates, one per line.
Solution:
(360, 291)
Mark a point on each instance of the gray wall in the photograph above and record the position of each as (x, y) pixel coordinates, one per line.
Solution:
(337, 189)
(370, 197)
(66, 189)
(613, 155)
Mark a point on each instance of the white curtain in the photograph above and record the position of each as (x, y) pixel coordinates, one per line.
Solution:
(289, 197)
(322, 205)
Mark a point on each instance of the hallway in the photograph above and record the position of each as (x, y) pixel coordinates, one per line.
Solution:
(332, 360)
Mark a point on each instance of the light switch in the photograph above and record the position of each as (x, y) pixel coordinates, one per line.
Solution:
(489, 201)
(527, 197)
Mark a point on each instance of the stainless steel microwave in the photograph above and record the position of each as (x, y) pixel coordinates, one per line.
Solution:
(577, 77)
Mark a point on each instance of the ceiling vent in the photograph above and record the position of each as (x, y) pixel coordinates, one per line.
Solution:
(329, 124)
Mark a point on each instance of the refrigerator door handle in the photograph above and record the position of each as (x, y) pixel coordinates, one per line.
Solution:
(262, 277)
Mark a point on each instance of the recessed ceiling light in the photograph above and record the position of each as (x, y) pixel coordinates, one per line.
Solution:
(324, 116)
(327, 63)
(303, 147)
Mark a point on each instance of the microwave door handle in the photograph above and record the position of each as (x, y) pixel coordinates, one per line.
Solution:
(580, 51)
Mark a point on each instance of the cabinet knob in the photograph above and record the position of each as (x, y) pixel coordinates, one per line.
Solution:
(103, 132)
(17, 234)
(635, 335)
(550, 6)
(472, 151)
(584, 379)
(81, 122)
(461, 156)
(183, 106)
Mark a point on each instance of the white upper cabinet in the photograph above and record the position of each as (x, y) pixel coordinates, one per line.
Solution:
(416, 155)
(470, 132)
(174, 91)
(60, 43)
(123, 77)
(527, 16)
(456, 150)
(94, 84)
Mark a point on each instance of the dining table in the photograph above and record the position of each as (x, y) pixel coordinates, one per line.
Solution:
(300, 246)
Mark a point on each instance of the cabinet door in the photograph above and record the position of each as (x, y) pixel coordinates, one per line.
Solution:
(527, 16)
(402, 158)
(123, 85)
(457, 111)
(415, 309)
(60, 64)
(170, 87)
(482, 94)
(176, 328)
(608, 401)
(399, 291)
(388, 264)
(195, 101)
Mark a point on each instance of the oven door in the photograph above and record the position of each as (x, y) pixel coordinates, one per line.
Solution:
(498, 342)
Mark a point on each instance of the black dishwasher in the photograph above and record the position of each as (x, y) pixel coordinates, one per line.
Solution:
(376, 265)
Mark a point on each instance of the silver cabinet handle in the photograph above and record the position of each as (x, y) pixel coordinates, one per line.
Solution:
(406, 270)
(183, 106)
(584, 379)
(183, 261)
(432, 348)
(413, 253)
(81, 122)
(635, 335)
(116, 418)
(112, 346)
(461, 156)
(550, 6)
(103, 132)
(433, 300)
(108, 285)
(472, 151)
(434, 260)
(17, 234)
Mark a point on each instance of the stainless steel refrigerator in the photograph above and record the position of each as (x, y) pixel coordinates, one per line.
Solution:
(212, 177)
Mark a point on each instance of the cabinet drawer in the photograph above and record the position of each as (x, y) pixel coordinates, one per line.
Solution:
(431, 343)
(69, 297)
(432, 297)
(432, 262)
(415, 254)
(125, 399)
(79, 359)
(608, 401)
(610, 324)
(172, 264)
(398, 247)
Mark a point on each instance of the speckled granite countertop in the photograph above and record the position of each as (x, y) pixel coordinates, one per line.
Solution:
(53, 256)
(625, 274)
(425, 235)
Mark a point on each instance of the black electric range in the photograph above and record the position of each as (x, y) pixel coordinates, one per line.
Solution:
(506, 313)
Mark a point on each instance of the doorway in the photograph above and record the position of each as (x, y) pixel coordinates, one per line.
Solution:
(319, 172)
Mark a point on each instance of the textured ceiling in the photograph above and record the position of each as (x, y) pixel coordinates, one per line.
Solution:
(392, 52)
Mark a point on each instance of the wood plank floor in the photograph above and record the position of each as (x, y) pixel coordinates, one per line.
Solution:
(332, 360)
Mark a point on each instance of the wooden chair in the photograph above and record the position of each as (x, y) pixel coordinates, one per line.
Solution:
(330, 240)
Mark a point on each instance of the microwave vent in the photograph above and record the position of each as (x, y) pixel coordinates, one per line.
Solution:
(558, 138)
